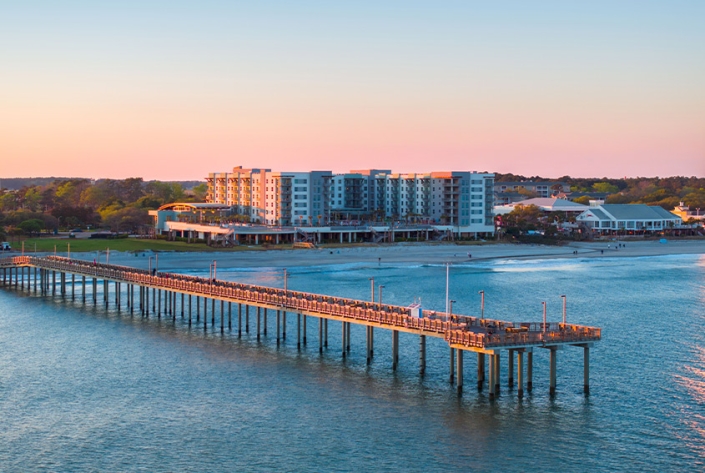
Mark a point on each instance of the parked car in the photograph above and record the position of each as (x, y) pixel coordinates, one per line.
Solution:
(5, 246)
(76, 230)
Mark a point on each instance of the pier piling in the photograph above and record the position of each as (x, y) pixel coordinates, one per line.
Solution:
(422, 354)
(510, 369)
(520, 374)
(452, 365)
(552, 372)
(586, 369)
(459, 366)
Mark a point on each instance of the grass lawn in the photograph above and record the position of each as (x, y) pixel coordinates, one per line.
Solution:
(120, 244)
(46, 245)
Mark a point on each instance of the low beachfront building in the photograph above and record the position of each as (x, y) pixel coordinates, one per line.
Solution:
(627, 218)
(684, 212)
(546, 204)
(191, 212)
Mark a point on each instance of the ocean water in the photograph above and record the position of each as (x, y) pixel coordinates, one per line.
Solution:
(83, 388)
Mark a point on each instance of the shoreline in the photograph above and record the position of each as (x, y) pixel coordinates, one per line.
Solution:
(411, 253)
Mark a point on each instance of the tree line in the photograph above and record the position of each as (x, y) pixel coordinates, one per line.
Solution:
(666, 192)
(120, 205)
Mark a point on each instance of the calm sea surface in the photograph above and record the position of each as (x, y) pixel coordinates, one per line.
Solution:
(85, 389)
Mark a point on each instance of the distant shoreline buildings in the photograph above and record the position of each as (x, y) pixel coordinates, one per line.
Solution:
(462, 199)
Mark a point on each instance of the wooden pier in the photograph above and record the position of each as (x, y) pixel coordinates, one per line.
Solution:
(172, 293)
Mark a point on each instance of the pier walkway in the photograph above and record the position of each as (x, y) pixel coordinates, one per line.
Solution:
(486, 337)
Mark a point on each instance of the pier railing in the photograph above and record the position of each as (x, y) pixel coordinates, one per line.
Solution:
(456, 329)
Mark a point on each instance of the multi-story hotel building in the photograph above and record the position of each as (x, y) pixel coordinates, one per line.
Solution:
(449, 198)
(460, 199)
(272, 198)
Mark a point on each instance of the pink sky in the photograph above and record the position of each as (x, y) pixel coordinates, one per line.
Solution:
(106, 93)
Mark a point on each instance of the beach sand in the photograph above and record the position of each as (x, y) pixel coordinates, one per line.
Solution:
(418, 253)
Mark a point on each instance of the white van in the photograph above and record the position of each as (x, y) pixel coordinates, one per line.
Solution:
(5, 246)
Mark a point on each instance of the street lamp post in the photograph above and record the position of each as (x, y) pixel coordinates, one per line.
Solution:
(150, 265)
(107, 255)
(447, 284)
(372, 288)
(544, 317)
(564, 309)
(482, 304)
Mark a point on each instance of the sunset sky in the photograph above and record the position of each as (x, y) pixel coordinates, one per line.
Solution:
(175, 89)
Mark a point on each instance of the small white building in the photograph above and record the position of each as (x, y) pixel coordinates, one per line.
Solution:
(631, 218)
(546, 204)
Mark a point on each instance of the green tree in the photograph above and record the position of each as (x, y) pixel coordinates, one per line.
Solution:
(695, 199)
(32, 226)
(68, 193)
(526, 193)
(32, 199)
(126, 219)
(605, 187)
(8, 202)
(200, 191)
(524, 217)
(165, 192)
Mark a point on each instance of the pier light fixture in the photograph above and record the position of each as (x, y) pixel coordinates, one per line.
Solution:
(482, 304)
(372, 288)
(286, 278)
(150, 265)
(564, 309)
(23, 248)
(68, 250)
(156, 261)
(54, 251)
(380, 296)
(447, 284)
(544, 317)
(211, 272)
(107, 255)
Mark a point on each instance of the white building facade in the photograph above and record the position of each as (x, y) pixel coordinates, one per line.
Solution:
(635, 218)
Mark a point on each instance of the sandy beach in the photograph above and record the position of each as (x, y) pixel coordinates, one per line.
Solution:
(403, 253)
